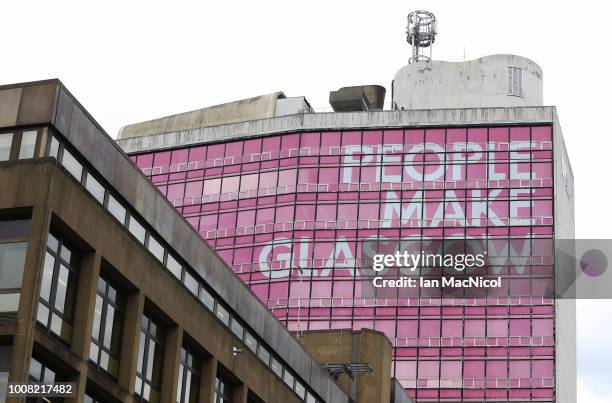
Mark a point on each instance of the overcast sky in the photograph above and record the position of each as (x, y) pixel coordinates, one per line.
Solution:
(130, 61)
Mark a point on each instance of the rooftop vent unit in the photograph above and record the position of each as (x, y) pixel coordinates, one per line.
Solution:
(358, 98)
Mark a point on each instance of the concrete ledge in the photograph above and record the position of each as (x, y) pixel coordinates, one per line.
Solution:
(341, 121)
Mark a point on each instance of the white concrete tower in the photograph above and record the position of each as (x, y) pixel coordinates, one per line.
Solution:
(491, 81)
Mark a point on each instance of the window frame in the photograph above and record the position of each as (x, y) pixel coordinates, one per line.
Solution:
(117, 326)
(223, 390)
(186, 369)
(158, 339)
(73, 270)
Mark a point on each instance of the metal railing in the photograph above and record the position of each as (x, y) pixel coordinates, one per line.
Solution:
(376, 150)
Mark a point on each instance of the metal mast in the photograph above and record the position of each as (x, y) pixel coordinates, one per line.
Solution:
(421, 34)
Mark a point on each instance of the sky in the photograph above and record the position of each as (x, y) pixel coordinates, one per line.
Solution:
(129, 61)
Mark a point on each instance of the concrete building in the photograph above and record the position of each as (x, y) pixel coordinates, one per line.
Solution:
(468, 151)
(103, 283)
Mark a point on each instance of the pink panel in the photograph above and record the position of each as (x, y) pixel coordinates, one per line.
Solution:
(497, 369)
(145, 161)
(474, 369)
(429, 328)
(315, 211)
(429, 370)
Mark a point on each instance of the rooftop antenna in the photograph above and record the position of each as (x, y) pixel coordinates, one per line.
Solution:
(421, 34)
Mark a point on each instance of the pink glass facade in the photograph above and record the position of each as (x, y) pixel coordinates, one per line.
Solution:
(289, 213)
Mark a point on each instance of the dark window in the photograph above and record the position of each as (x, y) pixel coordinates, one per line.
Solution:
(58, 288)
(223, 390)
(187, 390)
(149, 366)
(106, 330)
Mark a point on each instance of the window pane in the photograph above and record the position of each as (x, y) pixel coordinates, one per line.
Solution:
(175, 267)
(43, 314)
(264, 355)
(72, 165)
(288, 378)
(223, 315)
(250, 342)
(237, 328)
(52, 243)
(14, 228)
(95, 188)
(116, 209)
(156, 249)
(276, 367)
(62, 287)
(28, 142)
(97, 319)
(9, 302)
(191, 283)
(300, 389)
(12, 260)
(108, 326)
(137, 230)
(35, 368)
(207, 299)
(54, 147)
(6, 139)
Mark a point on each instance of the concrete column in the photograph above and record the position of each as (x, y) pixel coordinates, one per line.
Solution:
(83, 318)
(85, 303)
(28, 300)
(129, 343)
(207, 380)
(81, 384)
(172, 356)
(240, 393)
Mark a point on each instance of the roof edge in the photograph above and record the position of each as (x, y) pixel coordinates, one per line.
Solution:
(341, 121)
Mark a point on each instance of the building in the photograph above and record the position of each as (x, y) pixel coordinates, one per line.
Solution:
(467, 151)
(104, 284)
